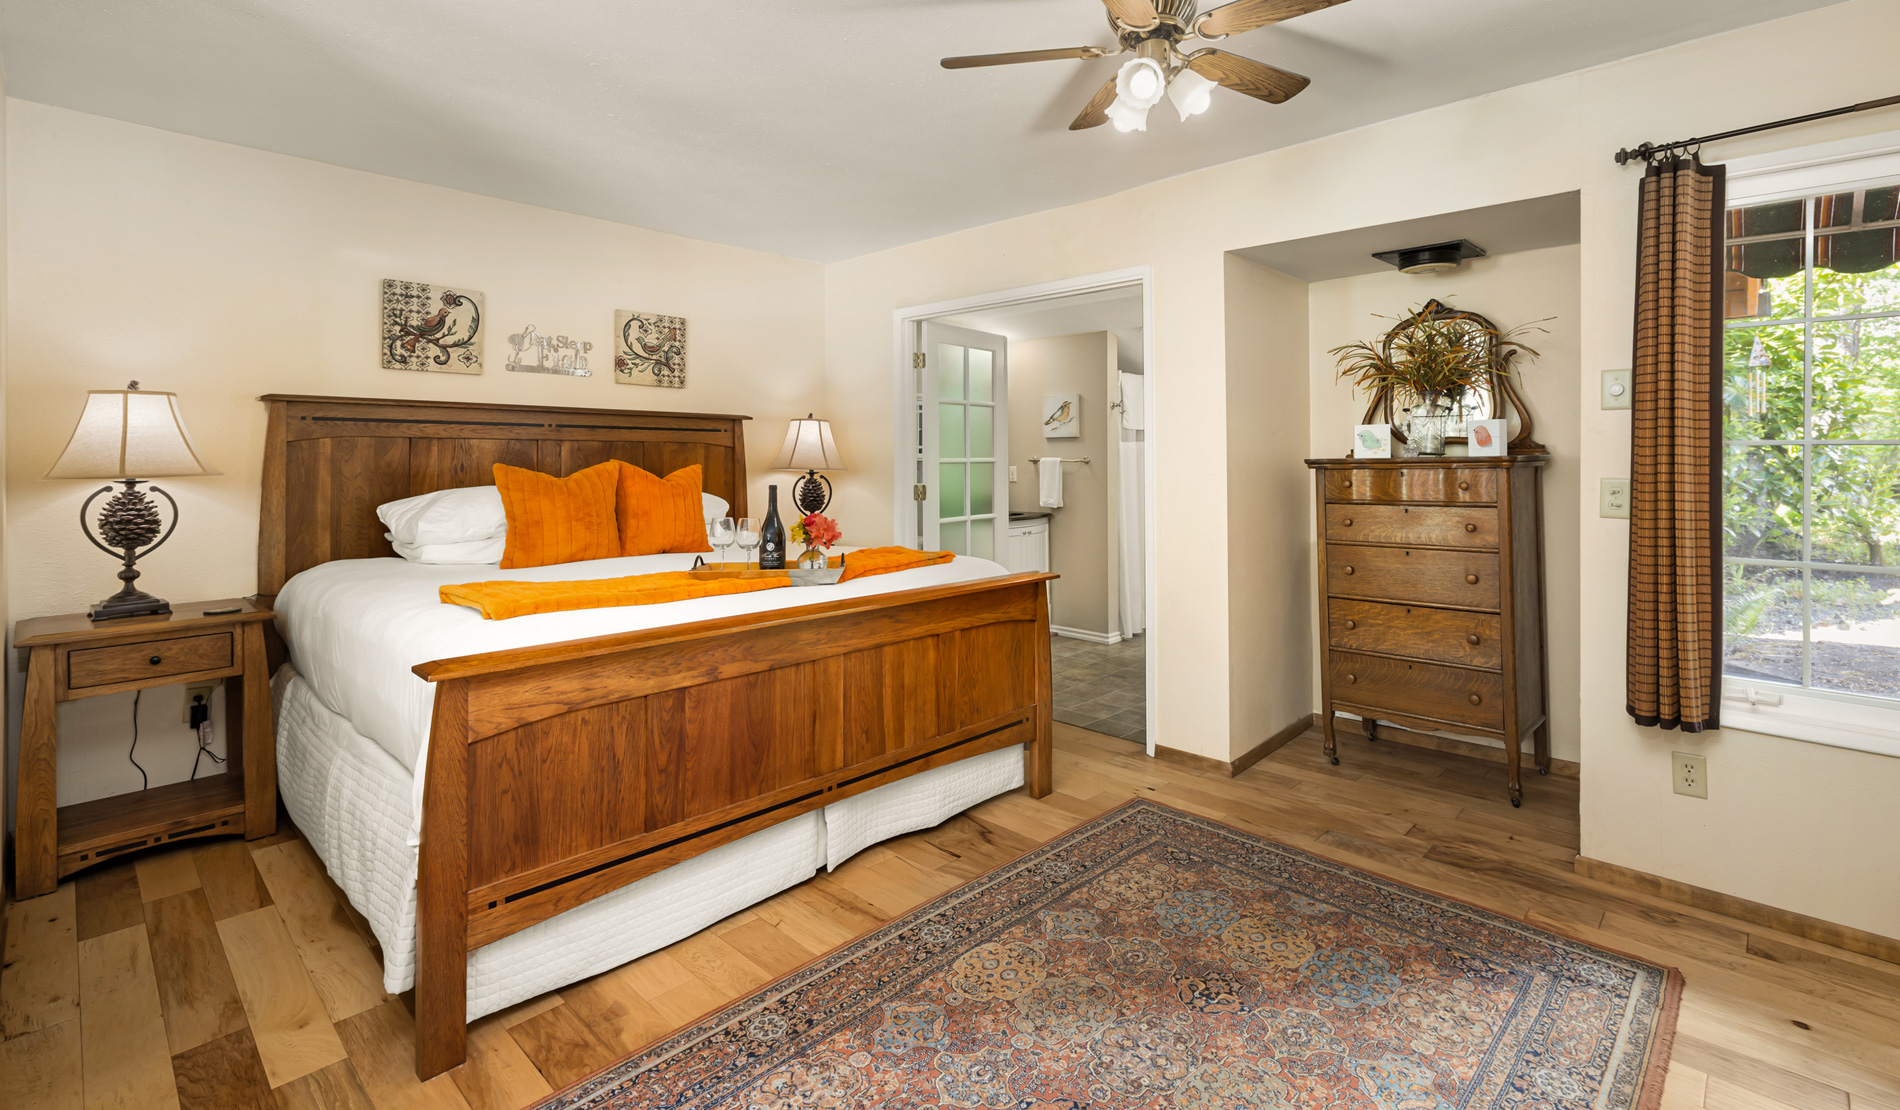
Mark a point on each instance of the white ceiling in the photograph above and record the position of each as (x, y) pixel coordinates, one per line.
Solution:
(820, 129)
(1115, 310)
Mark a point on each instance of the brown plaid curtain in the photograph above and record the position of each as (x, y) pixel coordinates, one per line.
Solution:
(1675, 606)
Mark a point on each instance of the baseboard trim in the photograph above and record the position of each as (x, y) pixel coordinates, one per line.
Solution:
(1247, 759)
(1562, 768)
(1085, 634)
(1702, 898)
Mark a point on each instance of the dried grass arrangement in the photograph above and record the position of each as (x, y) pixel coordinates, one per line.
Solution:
(1436, 355)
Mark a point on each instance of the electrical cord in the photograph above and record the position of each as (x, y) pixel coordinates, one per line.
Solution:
(200, 714)
(131, 753)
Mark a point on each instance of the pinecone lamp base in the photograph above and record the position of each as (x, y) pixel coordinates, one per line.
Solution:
(127, 523)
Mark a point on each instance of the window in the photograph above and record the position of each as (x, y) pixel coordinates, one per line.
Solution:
(1812, 444)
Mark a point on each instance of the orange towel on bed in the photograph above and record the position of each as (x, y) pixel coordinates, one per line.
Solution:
(502, 600)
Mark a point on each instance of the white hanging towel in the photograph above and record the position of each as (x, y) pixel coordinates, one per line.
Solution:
(1049, 477)
(1132, 415)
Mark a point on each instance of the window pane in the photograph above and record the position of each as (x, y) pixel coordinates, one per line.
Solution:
(1762, 387)
(1855, 272)
(1762, 497)
(1856, 632)
(950, 431)
(952, 537)
(1880, 204)
(1761, 623)
(949, 371)
(979, 374)
(950, 490)
(983, 538)
(982, 488)
(1857, 379)
(1765, 280)
(1856, 500)
(982, 436)
(1833, 210)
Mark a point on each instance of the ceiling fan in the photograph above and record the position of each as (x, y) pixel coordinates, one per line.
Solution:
(1155, 31)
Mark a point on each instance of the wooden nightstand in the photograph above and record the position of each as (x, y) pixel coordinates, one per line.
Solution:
(70, 657)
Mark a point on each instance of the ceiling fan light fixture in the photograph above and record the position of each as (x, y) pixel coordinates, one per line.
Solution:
(1190, 92)
(1140, 83)
(1126, 118)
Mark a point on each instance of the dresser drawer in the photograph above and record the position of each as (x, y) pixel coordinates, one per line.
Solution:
(154, 659)
(1419, 689)
(1404, 483)
(1441, 635)
(1443, 526)
(1468, 578)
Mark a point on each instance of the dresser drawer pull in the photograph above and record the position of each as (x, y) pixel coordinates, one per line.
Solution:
(1349, 483)
(1475, 699)
(1350, 625)
(1464, 485)
(156, 660)
(1472, 639)
(1471, 579)
(1346, 523)
(1348, 570)
(1468, 527)
(1351, 678)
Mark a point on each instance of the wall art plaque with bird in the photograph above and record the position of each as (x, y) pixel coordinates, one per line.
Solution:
(432, 327)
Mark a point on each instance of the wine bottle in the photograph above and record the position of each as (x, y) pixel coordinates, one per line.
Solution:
(772, 534)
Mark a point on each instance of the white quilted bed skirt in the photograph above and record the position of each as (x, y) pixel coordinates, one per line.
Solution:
(353, 802)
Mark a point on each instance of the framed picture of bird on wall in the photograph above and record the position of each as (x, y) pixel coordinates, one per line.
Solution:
(1061, 416)
(649, 349)
(431, 327)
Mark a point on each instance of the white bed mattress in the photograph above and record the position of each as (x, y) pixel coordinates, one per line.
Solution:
(358, 802)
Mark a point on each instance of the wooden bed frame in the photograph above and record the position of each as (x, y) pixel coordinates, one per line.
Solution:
(558, 773)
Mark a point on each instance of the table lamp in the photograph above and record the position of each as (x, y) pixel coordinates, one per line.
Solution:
(810, 448)
(129, 436)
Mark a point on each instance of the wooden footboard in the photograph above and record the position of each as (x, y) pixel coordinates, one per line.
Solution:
(559, 773)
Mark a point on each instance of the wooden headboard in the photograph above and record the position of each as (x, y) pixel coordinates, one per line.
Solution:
(329, 461)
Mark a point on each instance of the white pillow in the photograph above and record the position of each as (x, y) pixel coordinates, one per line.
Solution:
(468, 551)
(712, 508)
(446, 516)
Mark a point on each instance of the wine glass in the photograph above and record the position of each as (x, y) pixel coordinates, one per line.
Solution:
(720, 533)
(748, 537)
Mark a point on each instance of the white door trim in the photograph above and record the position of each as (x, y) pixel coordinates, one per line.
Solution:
(904, 325)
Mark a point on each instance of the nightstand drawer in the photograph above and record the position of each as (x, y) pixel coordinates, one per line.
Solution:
(154, 659)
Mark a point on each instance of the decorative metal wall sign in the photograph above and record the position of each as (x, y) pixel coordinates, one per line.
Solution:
(552, 355)
(431, 327)
(649, 349)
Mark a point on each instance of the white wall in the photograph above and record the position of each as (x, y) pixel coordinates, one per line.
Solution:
(1511, 289)
(224, 273)
(1789, 824)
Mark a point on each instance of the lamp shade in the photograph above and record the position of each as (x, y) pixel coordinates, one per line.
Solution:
(129, 433)
(809, 446)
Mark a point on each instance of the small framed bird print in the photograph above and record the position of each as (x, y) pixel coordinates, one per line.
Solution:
(1372, 441)
(431, 327)
(649, 349)
(1062, 416)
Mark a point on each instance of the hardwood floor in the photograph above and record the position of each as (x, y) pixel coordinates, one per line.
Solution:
(228, 975)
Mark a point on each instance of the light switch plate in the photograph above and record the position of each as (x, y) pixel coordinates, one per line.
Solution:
(1617, 386)
(1012, 473)
(1616, 498)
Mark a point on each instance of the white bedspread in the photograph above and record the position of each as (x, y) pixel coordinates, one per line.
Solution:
(355, 627)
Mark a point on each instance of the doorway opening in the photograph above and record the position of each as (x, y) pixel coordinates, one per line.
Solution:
(1022, 434)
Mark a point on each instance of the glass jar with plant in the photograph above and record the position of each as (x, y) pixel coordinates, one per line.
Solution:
(1432, 365)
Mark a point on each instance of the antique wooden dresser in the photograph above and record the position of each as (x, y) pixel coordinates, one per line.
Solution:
(1431, 589)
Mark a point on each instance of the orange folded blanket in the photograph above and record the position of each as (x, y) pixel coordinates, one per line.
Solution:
(502, 600)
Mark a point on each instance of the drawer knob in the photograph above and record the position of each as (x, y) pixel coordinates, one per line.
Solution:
(1349, 483)
(1351, 678)
(1475, 699)
(1471, 579)
(1472, 639)
(1471, 528)
(1346, 523)
(1350, 625)
(156, 660)
(1348, 570)
(1464, 485)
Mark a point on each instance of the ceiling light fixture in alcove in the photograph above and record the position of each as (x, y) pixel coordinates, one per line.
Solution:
(1433, 259)
(1155, 32)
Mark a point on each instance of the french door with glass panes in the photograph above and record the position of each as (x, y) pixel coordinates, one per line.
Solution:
(962, 441)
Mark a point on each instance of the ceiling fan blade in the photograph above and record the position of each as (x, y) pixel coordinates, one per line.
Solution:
(1245, 15)
(1096, 114)
(1244, 75)
(971, 61)
(1133, 13)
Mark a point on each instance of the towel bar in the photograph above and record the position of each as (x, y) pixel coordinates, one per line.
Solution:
(1038, 458)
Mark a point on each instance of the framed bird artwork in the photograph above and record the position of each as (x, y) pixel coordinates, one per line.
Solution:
(649, 349)
(1062, 416)
(432, 327)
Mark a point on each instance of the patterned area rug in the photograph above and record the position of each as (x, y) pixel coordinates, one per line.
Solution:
(1154, 959)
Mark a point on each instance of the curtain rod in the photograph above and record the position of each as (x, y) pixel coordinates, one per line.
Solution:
(1647, 151)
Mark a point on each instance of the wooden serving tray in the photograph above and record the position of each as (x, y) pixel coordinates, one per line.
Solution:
(711, 571)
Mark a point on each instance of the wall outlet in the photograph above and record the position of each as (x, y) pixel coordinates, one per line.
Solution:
(1012, 473)
(1617, 387)
(1691, 774)
(1616, 498)
(195, 691)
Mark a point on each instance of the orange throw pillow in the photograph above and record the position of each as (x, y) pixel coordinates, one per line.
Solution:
(558, 520)
(660, 515)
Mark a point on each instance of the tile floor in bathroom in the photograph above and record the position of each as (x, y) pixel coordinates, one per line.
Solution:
(1102, 687)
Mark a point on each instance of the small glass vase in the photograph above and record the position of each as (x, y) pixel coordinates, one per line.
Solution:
(1426, 434)
(813, 559)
